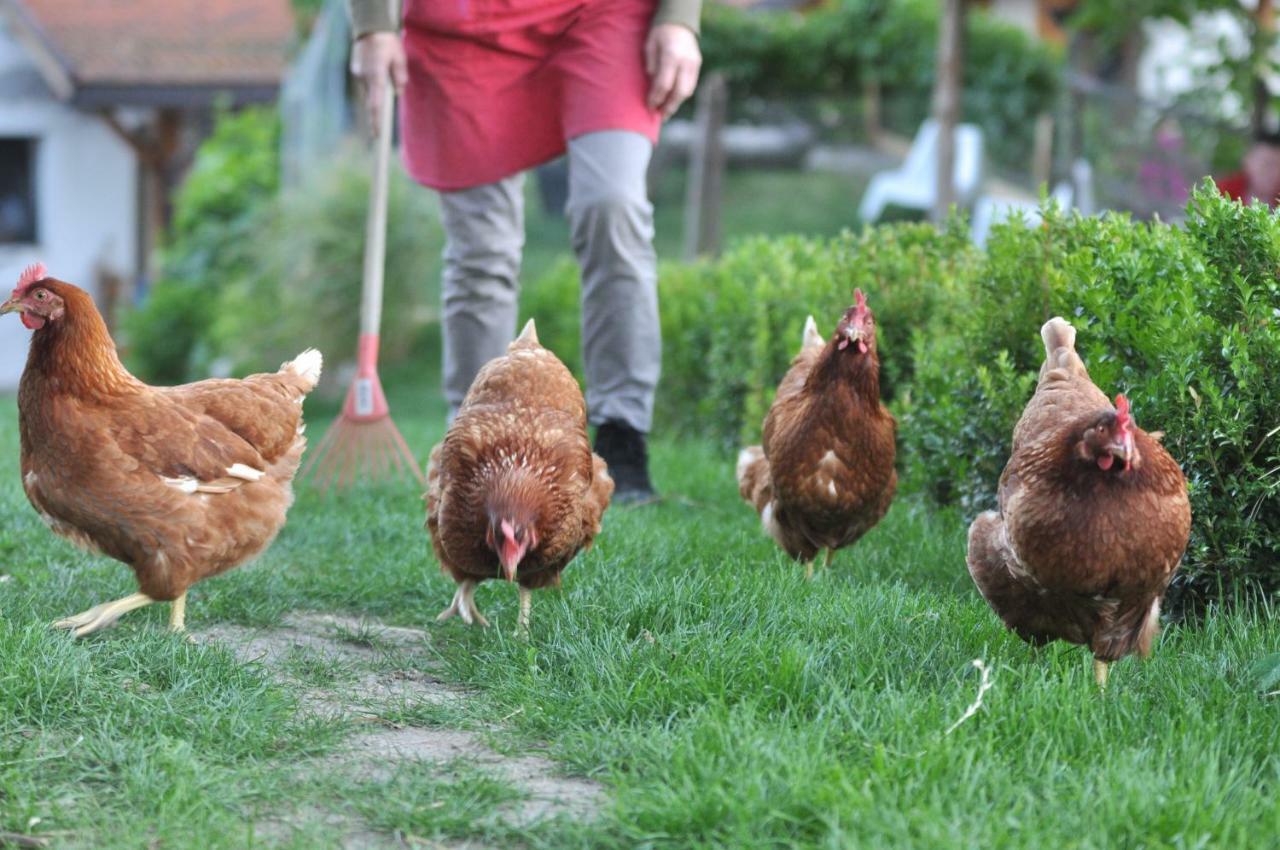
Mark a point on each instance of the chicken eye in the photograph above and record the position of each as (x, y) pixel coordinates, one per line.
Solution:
(40, 295)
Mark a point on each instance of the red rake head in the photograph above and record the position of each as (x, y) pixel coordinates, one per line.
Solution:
(354, 451)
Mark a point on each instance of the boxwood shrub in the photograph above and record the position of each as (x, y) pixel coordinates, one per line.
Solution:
(1184, 319)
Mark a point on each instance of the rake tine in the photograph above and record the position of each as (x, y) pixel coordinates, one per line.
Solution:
(385, 460)
(349, 460)
(329, 460)
(408, 455)
(318, 453)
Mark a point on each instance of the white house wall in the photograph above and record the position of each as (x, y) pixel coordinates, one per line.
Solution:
(86, 204)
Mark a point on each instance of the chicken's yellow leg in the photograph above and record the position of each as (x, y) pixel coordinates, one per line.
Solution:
(808, 565)
(455, 607)
(470, 613)
(101, 616)
(526, 601)
(1100, 670)
(178, 614)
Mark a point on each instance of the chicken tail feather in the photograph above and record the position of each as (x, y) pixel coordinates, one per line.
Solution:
(529, 334)
(306, 366)
(1057, 333)
(811, 335)
(753, 475)
(1060, 348)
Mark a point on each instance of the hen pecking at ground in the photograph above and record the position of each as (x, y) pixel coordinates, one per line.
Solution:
(514, 490)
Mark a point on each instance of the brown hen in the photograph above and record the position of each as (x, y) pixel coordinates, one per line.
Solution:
(514, 490)
(824, 474)
(1093, 519)
(179, 483)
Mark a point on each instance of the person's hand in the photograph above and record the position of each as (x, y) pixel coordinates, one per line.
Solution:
(672, 58)
(375, 58)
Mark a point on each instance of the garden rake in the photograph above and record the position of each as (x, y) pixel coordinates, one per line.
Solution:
(363, 442)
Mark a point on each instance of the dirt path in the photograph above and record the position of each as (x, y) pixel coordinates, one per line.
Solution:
(376, 670)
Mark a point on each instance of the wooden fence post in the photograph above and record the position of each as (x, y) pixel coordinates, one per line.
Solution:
(1042, 150)
(705, 187)
(946, 101)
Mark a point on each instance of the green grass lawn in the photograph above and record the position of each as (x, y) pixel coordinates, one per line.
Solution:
(685, 665)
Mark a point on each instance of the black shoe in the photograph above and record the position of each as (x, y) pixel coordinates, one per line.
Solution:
(624, 449)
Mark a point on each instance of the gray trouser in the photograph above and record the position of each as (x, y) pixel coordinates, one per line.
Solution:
(611, 222)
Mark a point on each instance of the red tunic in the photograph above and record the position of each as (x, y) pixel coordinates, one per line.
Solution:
(498, 86)
(1236, 187)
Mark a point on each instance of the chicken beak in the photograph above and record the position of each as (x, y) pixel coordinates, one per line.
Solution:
(855, 335)
(510, 557)
(13, 305)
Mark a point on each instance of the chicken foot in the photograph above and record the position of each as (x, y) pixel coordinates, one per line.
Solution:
(101, 616)
(1100, 671)
(464, 605)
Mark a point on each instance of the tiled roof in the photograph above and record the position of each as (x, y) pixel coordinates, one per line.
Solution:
(166, 42)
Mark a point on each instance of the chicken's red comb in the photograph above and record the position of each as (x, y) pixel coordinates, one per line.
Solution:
(33, 273)
(860, 301)
(1123, 420)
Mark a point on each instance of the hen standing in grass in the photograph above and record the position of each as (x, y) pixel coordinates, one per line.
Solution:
(180, 483)
(514, 490)
(1093, 520)
(824, 474)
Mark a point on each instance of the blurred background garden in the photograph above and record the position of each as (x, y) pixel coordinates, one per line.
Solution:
(1084, 134)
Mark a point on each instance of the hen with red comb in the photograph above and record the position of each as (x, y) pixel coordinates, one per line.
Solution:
(178, 483)
(823, 475)
(1081, 548)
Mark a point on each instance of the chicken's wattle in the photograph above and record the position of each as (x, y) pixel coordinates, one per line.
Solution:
(32, 322)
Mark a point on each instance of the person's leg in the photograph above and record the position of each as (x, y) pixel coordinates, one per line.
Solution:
(484, 236)
(611, 221)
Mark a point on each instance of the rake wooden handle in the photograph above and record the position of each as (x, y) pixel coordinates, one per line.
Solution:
(375, 232)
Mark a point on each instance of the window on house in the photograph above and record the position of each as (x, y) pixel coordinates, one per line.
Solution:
(17, 190)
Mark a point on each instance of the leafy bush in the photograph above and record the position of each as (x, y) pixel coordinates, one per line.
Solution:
(730, 328)
(1186, 321)
(302, 286)
(216, 214)
(838, 49)
(251, 275)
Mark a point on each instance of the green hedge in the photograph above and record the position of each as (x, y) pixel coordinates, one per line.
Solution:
(835, 51)
(1186, 320)
(730, 328)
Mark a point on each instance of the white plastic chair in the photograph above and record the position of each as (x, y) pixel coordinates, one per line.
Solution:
(914, 184)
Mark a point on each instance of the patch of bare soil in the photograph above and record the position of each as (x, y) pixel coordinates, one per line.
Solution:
(377, 669)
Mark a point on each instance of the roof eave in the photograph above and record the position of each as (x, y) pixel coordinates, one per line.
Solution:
(52, 65)
(98, 95)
